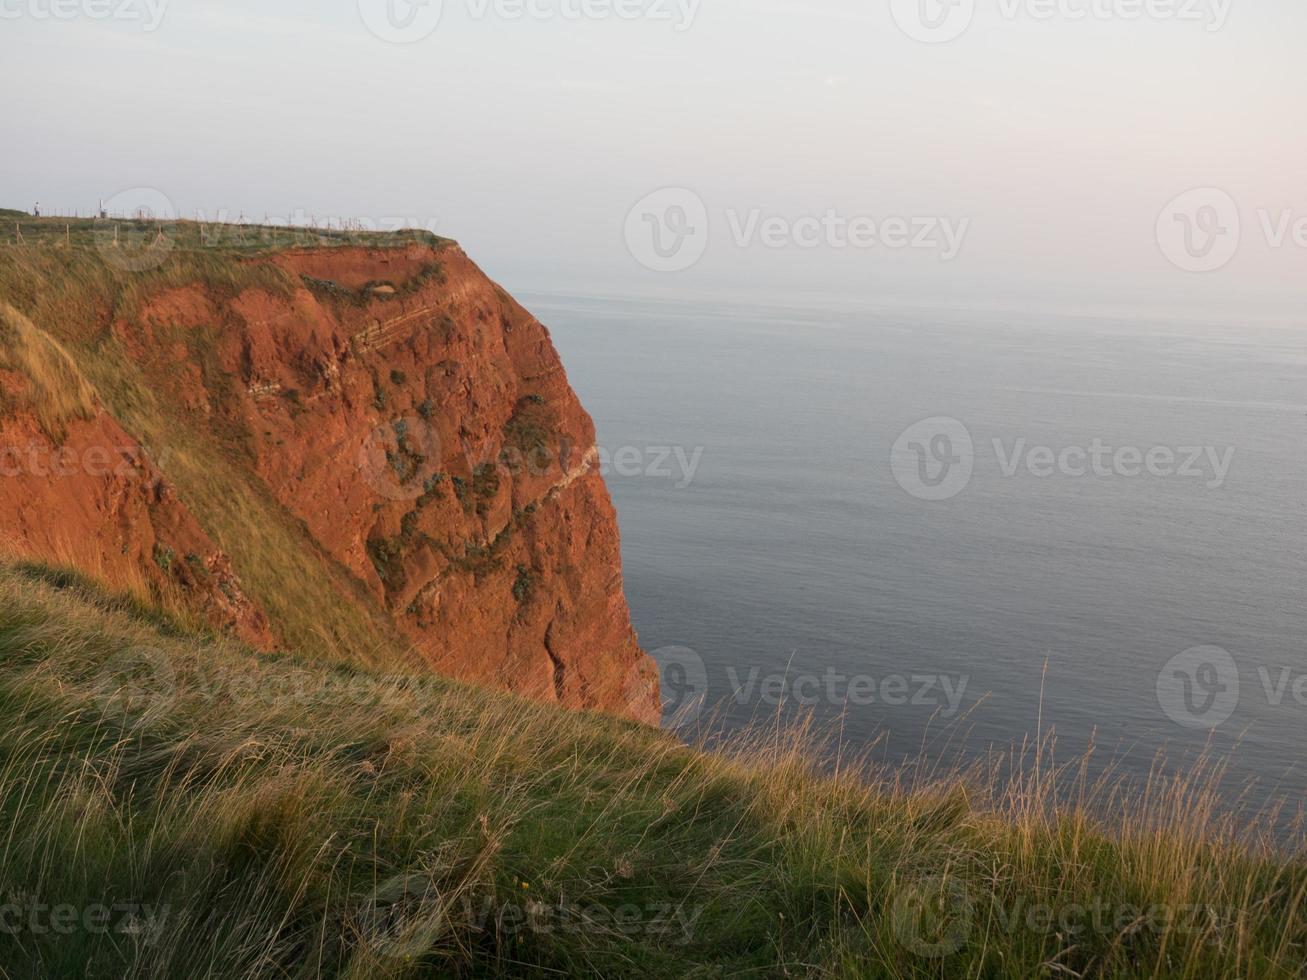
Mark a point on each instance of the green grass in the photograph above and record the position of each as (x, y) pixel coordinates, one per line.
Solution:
(250, 816)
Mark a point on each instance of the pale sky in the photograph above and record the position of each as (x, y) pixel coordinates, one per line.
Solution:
(1049, 136)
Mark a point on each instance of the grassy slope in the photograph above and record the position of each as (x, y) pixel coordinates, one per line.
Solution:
(290, 819)
(58, 392)
(74, 296)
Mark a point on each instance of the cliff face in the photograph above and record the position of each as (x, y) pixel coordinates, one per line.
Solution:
(93, 499)
(77, 490)
(408, 422)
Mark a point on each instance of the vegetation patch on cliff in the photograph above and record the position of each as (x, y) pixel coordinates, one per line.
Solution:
(529, 435)
(54, 389)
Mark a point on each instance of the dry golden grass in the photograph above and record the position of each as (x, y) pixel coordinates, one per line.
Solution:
(125, 580)
(297, 820)
(56, 392)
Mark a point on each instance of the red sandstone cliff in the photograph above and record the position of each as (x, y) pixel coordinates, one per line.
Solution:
(75, 489)
(419, 424)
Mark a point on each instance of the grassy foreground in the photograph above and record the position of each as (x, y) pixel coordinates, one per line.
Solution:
(174, 806)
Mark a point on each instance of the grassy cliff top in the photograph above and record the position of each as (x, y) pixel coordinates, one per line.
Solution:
(243, 816)
(20, 228)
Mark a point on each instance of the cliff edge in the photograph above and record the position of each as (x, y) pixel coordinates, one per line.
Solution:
(364, 450)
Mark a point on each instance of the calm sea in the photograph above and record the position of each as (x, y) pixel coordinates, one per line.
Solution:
(927, 528)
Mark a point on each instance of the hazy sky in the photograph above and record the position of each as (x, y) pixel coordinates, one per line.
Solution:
(1032, 157)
